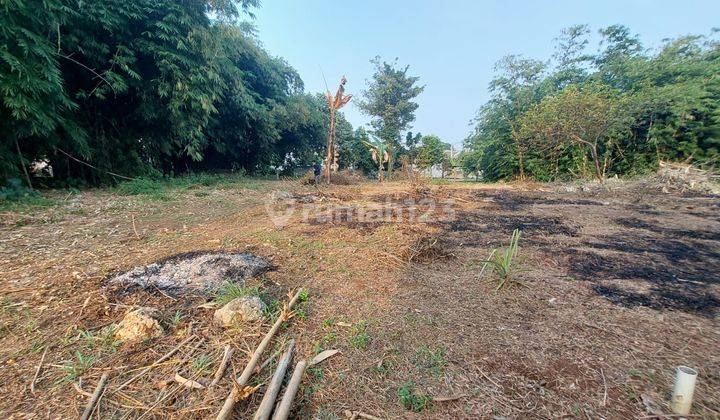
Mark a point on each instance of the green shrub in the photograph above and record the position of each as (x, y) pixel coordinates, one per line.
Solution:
(412, 400)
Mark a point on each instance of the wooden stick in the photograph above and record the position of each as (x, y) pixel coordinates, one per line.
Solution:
(236, 392)
(283, 410)
(37, 371)
(223, 364)
(96, 395)
(157, 362)
(268, 402)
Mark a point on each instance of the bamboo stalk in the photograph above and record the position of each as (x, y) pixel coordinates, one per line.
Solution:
(266, 406)
(95, 397)
(283, 410)
(237, 390)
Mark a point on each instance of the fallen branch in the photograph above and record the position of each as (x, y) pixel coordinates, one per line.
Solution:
(157, 362)
(37, 371)
(238, 388)
(96, 395)
(223, 365)
(283, 410)
(268, 402)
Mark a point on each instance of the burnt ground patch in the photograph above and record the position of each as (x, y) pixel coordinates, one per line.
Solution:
(480, 229)
(514, 201)
(653, 226)
(678, 274)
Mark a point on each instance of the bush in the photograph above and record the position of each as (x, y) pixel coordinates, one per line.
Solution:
(15, 191)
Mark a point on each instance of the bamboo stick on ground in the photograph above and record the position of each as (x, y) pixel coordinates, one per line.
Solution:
(266, 406)
(95, 397)
(237, 391)
(283, 410)
(221, 369)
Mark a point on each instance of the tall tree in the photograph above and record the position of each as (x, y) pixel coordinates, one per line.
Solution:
(431, 152)
(515, 92)
(389, 100)
(591, 118)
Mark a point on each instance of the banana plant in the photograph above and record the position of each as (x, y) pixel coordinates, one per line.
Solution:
(380, 156)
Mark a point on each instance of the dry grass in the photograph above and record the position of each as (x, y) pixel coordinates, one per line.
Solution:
(402, 299)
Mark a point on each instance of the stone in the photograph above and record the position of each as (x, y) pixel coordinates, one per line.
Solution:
(139, 325)
(238, 310)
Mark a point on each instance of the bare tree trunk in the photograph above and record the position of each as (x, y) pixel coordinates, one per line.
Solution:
(598, 171)
(391, 160)
(330, 146)
(22, 164)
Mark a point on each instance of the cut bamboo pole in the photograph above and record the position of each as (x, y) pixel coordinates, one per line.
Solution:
(283, 410)
(238, 387)
(95, 397)
(266, 406)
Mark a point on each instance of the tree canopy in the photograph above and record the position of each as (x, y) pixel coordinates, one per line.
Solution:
(143, 88)
(618, 111)
(390, 101)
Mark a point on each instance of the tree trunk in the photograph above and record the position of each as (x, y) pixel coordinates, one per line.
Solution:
(391, 160)
(330, 143)
(22, 165)
(596, 159)
(521, 163)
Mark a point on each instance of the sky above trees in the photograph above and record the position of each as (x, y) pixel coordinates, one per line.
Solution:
(453, 45)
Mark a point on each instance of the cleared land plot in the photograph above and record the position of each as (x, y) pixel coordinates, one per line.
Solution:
(617, 288)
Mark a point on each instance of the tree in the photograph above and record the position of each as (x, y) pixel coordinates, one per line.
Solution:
(145, 88)
(411, 145)
(515, 92)
(669, 104)
(354, 153)
(379, 152)
(431, 152)
(334, 103)
(389, 100)
(592, 118)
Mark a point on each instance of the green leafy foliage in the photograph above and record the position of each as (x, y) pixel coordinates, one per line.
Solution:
(142, 88)
(504, 262)
(411, 399)
(390, 101)
(619, 111)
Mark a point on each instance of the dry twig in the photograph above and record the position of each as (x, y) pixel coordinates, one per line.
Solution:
(95, 397)
(223, 365)
(37, 371)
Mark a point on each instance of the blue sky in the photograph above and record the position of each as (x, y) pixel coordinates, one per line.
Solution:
(452, 45)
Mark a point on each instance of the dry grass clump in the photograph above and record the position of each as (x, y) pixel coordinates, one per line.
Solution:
(684, 177)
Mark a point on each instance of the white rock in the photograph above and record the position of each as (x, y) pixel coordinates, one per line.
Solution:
(242, 309)
(139, 325)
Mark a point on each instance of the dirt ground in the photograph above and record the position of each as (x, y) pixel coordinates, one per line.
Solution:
(613, 290)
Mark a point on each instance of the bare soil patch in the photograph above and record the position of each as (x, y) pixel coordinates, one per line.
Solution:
(619, 289)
